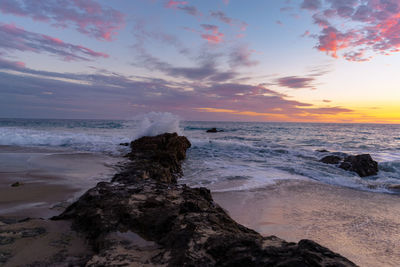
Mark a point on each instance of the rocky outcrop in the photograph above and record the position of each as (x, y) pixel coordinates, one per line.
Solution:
(157, 158)
(144, 218)
(363, 164)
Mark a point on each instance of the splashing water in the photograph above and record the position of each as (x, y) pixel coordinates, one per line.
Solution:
(155, 123)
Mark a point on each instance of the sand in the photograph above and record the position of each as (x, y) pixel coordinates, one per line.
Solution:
(362, 226)
(49, 179)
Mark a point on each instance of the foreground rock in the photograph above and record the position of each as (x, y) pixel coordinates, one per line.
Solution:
(363, 164)
(143, 218)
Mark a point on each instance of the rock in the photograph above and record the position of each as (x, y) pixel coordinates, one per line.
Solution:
(16, 184)
(394, 187)
(363, 165)
(143, 217)
(331, 159)
(322, 151)
(214, 130)
(156, 157)
(124, 144)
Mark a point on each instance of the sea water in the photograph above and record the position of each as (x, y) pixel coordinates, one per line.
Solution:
(245, 156)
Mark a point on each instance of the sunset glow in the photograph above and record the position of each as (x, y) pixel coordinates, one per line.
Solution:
(296, 61)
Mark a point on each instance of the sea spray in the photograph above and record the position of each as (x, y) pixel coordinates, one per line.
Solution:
(155, 123)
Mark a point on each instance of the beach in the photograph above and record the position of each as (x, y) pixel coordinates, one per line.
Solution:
(48, 179)
(362, 226)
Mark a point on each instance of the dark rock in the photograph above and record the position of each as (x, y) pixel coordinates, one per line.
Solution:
(124, 144)
(363, 165)
(156, 157)
(331, 159)
(322, 150)
(214, 130)
(394, 186)
(176, 225)
(4, 256)
(16, 184)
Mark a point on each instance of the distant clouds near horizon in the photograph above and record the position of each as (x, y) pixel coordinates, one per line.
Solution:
(202, 60)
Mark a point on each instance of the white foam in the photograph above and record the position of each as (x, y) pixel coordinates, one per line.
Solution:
(155, 123)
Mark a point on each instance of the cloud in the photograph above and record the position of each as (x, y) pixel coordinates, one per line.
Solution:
(87, 16)
(173, 4)
(311, 4)
(222, 17)
(182, 5)
(205, 71)
(212, 34)
(356, 30)
(12, 65)
(17, 39)
(295, 82)
(119, 96)
(241, 56)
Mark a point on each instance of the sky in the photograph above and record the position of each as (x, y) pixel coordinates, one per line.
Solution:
(214, 60)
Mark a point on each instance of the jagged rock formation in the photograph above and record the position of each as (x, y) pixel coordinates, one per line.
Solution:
(363, 164)
(144, 218)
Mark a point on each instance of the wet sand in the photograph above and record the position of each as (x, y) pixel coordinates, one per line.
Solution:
(49, 179)
(362, 226)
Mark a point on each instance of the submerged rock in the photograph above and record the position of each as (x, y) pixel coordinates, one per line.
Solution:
(214, 130)
(363, 165)
(143, 217)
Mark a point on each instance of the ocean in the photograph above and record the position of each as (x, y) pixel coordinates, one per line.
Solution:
(267, 176)
(245, 156)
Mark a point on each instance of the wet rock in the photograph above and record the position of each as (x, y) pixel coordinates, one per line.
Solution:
(16, 184)
(322, 151)
(4, 256)
(158, 157)
(395, 187)
(214, 130)
(331, 159)
(363, 165)
(177, 225)
(124, 144)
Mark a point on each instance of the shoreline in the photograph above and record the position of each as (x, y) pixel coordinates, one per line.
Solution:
(360, 225)
(49, 179)
(106, 212)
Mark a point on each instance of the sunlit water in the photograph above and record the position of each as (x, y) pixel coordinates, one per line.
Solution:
(244, 156)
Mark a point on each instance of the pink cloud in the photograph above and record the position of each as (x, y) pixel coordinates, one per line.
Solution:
(357, 29)
(17, 39)
(173, 4)
(87, 16)
(213, 35)
(6, 64)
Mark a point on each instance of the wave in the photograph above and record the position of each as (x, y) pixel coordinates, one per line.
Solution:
(155, 123)
(82, 141)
